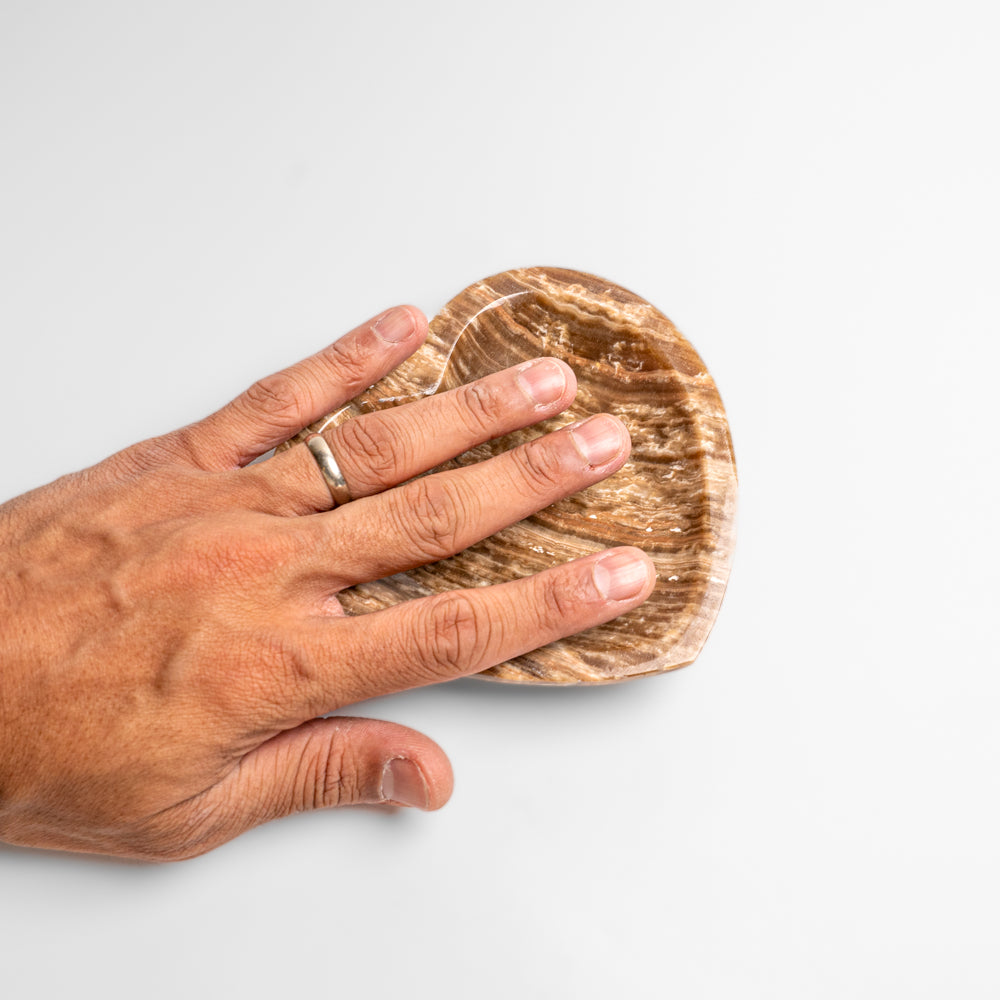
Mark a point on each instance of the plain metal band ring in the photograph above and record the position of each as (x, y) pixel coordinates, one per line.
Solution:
(329, 469)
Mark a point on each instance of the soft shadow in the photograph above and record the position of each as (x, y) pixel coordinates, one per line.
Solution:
(475, 688)
(476, 691)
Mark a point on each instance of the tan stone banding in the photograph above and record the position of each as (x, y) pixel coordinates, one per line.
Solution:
(675, 498)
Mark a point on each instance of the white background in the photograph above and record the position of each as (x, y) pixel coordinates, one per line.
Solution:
(194, 194)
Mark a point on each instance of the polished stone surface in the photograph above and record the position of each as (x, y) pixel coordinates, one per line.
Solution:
(675, 498)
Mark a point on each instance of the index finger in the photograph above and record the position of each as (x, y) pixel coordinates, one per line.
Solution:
(280, 405)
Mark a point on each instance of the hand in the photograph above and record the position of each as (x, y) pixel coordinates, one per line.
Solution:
(171, 634)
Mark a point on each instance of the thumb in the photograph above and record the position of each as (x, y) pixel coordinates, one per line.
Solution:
(329, 762)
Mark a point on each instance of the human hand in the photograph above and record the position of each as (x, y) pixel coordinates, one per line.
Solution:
(170, 630)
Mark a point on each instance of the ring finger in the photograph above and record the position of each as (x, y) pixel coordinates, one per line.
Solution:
(380, 450)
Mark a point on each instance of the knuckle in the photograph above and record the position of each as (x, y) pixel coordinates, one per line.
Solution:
(377, 453)
(278, 397)
(558, 599)
(277, 666)
(483, 405)
(539, 467)
(431, 516)
(210, 550)
(338, 783)
(321, 777)
(456, 636)
(140, 458)
(183, 445)
(299, 666)
(205, 555)
(186, 442)
(273, 672)
(349, 365)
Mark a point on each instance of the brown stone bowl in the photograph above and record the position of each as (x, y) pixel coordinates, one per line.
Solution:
(675, 497)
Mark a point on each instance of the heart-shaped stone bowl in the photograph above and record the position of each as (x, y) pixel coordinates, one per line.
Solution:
(675, 497)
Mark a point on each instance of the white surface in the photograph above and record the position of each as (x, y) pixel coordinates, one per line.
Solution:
(193, 194)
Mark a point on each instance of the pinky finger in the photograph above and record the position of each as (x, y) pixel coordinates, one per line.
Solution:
(440, 638)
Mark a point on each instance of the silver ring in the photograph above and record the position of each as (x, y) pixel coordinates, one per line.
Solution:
(329, 469)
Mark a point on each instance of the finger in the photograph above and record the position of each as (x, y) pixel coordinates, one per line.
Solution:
(432, 518)
(450, 635)
(379, 450)
(280, 405)
(319, 765)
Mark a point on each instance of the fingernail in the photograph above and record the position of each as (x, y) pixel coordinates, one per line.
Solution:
(598, 439)
(395, 326)
(542, 381)
(621, 575)
(403, 783)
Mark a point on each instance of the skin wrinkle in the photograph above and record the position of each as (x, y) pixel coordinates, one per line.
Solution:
(484, 405)
(375, 457)
(432, 515)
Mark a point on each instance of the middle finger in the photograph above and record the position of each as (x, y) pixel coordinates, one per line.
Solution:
(439, 515)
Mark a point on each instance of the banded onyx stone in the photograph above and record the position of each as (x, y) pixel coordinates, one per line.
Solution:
(675, 498)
